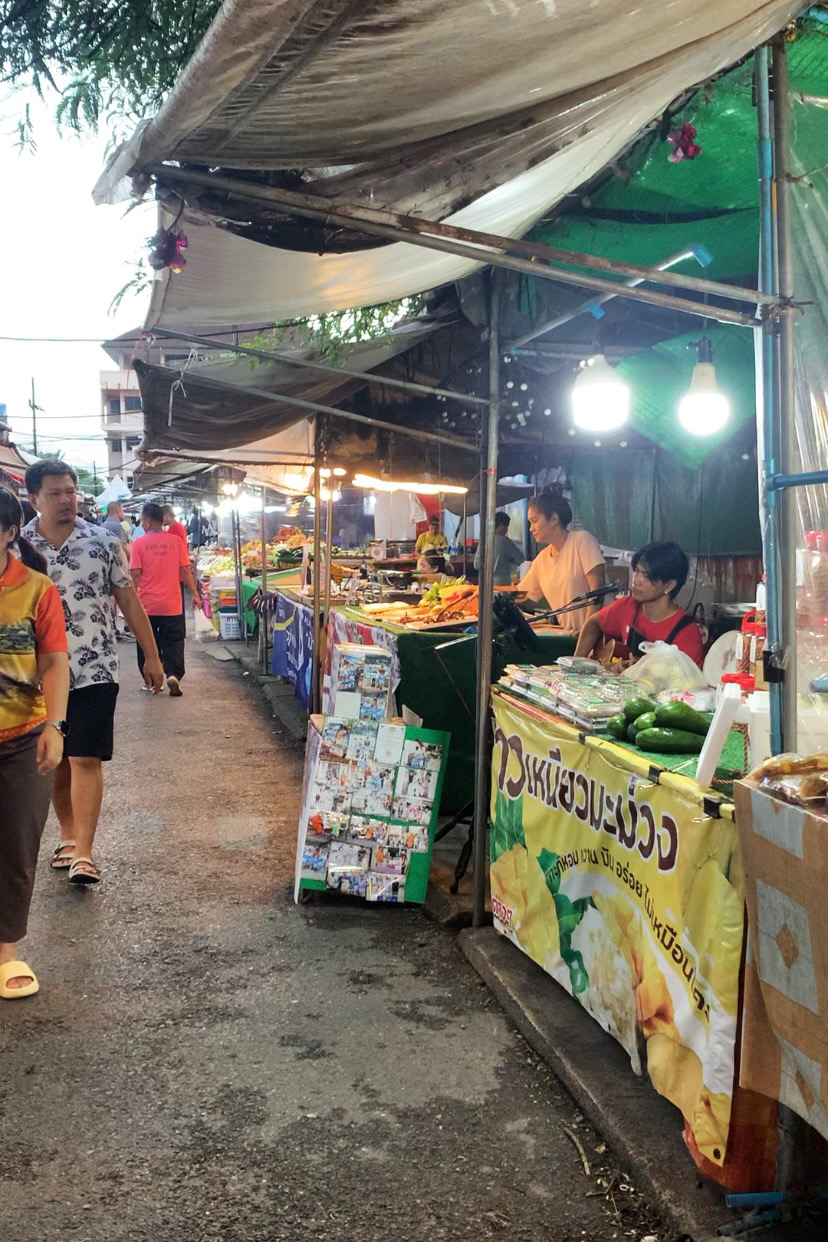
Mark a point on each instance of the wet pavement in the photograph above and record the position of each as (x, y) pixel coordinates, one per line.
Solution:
(208, 1061)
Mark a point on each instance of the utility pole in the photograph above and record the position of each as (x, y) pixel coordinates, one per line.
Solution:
(95, 476)
(34, 408)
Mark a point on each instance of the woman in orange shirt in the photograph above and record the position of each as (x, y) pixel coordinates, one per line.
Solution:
(571, 564)
(34, 688)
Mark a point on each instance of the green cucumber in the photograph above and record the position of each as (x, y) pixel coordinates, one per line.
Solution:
(669, 741)
(634, 708)
(617, 727)
(681, 716)
(647, 721)
(632, 730)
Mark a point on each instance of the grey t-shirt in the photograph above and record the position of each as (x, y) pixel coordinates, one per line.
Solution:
(506, 554)
(114, 526)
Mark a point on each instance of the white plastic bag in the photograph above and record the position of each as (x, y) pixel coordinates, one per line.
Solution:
(204, 630)
(664, 667)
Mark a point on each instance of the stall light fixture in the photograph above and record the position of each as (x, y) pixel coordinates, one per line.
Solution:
(326, 494)
(600, 397)
(393, 485)
(339, 472)
(704, 410)
(230, 489)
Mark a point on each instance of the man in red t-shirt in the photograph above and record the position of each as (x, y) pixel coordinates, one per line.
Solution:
(649, 613)
(160, 562)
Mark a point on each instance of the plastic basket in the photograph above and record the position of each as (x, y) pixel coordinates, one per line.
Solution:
(229, 625)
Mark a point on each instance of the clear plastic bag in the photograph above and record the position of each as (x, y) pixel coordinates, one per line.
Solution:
(664, 667)
(204, 630)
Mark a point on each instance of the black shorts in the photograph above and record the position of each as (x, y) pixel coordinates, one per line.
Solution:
(90, 719)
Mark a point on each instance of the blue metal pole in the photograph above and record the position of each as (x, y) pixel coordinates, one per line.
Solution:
(767, 414)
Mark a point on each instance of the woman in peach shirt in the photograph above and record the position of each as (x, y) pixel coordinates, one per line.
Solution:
(571, 563)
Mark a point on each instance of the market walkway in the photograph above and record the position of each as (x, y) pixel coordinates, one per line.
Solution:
(207, 1061)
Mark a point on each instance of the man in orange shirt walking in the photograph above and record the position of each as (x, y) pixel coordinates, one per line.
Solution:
(160, 563)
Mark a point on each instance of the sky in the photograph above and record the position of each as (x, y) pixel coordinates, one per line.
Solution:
(63, 262)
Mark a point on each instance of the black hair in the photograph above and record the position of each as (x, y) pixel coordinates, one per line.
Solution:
(436, 560)
(152, 511)
(663, 562)
(552, 500)
(11, 514)
(47, 469)
(501, 518)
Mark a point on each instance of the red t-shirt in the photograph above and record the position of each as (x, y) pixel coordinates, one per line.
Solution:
(615, 621)
(160, 555)
(181, 531)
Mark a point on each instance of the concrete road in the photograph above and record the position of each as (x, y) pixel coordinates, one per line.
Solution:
(207, 1061)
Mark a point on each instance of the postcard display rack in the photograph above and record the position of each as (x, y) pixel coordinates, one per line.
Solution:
(371, 789)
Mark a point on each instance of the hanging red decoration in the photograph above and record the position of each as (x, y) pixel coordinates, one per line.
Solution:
(166, 250)
(683, 143)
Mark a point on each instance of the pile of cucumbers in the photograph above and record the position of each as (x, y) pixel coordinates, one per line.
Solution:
(668, 728)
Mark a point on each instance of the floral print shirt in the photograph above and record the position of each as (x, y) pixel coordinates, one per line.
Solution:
(86, 569)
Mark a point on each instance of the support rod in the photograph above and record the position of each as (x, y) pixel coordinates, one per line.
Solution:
(316, 679)
(303, 364)
(263, 622)
(787, 506)
(808, 477)
(314, 407)
(767, 427)
(326, 610)
(689, 252)
(483, 248)
(485, 589)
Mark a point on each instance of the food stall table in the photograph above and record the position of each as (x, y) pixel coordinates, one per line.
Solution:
(621, 878)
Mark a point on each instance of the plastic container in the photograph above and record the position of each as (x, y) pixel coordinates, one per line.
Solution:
(229, 625)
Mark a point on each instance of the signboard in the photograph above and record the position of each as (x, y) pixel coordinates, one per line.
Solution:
(631, 897)
(292, 632)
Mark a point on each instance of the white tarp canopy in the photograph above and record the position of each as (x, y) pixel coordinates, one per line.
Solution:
(481, 112)
(116, 489)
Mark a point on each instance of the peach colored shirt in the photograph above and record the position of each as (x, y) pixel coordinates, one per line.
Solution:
(559, 575)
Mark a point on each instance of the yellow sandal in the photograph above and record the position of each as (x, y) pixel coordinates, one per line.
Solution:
(17, 970)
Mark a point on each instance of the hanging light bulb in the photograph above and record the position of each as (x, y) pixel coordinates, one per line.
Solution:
(704, 410)
(600, 397)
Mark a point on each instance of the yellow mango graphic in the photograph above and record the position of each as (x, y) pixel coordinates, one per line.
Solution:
(517, 881)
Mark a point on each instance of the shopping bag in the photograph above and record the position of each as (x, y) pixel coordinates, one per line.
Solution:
(664, 667)
(204, 630)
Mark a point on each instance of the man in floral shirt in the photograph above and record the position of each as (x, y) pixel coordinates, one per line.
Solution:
(86, 566)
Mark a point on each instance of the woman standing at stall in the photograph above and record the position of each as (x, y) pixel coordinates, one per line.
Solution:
(571, 563)
(34, 687)
(649, 613)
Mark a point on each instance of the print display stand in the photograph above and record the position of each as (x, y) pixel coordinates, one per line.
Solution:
(370, 799)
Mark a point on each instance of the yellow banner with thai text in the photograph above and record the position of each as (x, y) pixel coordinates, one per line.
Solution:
(631, 896)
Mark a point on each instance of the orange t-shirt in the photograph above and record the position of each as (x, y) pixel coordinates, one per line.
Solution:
(160, 556)
(31, 623)
(181, 531)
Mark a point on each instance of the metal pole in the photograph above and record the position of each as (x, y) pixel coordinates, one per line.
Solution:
(263, 620)
(768, 425)
(465, 536)
(787, 503)
(34, 420)
(651, 525)
(328, 550)
(450, 237)
(341, 372)
(236, 537)
(488, 504)
(316, 680)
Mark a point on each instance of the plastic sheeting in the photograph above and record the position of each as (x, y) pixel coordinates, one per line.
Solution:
(485, 111)
(809, 221)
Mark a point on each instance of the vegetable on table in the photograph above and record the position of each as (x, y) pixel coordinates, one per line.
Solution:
(681, 716)
(669, 741)
(634, 708)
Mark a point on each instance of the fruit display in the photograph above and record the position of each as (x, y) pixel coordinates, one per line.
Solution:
(445, 602)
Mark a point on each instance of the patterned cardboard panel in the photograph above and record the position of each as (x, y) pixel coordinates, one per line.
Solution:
(784, 1034)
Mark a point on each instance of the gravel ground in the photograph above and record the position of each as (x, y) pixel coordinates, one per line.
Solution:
(207, 1061)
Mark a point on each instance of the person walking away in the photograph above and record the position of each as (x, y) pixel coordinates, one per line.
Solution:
(160, 564)
(196, 528)
(506, 552)
(34, 687)
(86, 566)
(114, 523)
(172, 524)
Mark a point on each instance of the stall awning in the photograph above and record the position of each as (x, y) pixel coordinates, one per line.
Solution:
(485, 113)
